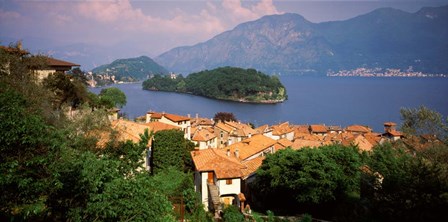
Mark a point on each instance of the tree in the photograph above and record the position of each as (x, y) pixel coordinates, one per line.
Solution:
(65, 91)
(231, 213)
(308, 176)
(422, 120)
(171, 149)
(224, 116)
(114, 95)
(412, 188)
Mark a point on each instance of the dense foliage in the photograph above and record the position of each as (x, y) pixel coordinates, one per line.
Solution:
(224, 116)
(112, 96)
(227, 83)
(420, 121)
(171, 150)
(308, 176)
(132, 69)
(52, 170)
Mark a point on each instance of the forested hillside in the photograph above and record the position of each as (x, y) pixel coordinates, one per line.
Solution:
(226, 83)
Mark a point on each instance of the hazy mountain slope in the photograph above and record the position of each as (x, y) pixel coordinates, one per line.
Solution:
(288, 43)
(136, 68)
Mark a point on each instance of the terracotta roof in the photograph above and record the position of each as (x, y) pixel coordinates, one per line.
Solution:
(176, 118)
(252, 166)
(155, 115)
(172, 117)
(334, 128)
(390, 124)
(263, 129)
(393, 133)
(244, 130)
(203, 135)
(301, 143)
(57, 62)
(158, 126)
(251, 146)
(358, 129)
(318, 129)
(360, 141)
(126, 130)
(201, 122)
(301, 129)
(216, 160)
(281, 129)
(224, 127)
(284, 142)
(14, 50)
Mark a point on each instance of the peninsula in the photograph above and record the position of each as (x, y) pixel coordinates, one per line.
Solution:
(225, 83)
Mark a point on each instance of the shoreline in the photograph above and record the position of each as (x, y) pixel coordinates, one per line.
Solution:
(271, 102)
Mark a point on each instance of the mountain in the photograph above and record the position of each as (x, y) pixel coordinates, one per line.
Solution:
(289, 44)
(131, 69)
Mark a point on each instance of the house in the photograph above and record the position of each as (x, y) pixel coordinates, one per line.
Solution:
(358, 129)
(204, 138)
(265, 130)
(217, 178)
(126, 130)
(52, 66)
(334, 129)
(318, 130)
(250, 148)
(222, 132)
(283, 130)
(390, 133)
(171, 119)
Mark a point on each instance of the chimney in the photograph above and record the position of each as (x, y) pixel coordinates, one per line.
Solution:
(228, 152)
(197, 116)
(237, 153)
(188, 115)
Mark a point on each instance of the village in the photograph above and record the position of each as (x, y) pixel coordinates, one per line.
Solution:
(228, 154)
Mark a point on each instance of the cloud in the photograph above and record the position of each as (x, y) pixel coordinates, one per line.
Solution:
(8, 15)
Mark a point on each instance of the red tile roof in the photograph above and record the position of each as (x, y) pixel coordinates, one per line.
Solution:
(281, 129)
(318, 129)
(203, 135)
(57, 62)
(252, 166)
(251, 146)
(158, 126)
(358, 129)
(216, 160)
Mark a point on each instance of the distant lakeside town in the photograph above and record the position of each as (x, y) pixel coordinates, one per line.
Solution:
(380, 72)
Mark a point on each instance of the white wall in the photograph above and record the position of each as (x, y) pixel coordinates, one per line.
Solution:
(234, 188)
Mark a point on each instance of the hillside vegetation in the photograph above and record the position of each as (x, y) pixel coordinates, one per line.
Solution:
(132, 69)
(225, 83)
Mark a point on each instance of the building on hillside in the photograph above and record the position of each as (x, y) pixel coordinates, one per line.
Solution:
(52, 66)
(318, 130)
(258, 145)
(204, 138)
(126, 130)
(264, 130)
(390, 133)
(283, 130)
(171, 119)
(222, 132)
(217, 178)
(358, 129)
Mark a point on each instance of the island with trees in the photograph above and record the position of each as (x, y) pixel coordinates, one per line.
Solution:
(225, 83)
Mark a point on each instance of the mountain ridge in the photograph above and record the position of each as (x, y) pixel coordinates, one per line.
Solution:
(290, 44)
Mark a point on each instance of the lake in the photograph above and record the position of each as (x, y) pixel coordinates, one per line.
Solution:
(338, 101)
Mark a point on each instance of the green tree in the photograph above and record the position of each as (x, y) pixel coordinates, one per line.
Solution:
(411, 188)
(171, 149)
(114, 95)
(422, 120)
(65, 91)
(308, 176)
(28, 147)
(231, 213)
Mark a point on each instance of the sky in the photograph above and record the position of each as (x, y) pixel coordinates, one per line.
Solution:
(152, 27)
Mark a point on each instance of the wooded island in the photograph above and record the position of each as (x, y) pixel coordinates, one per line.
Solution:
(225, 83)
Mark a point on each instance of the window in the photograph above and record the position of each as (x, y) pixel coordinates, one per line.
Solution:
(229, 181)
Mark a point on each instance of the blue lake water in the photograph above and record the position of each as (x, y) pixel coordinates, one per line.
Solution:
(312, 100)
